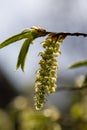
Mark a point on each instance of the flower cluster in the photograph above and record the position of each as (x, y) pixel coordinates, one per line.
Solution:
(46, 75)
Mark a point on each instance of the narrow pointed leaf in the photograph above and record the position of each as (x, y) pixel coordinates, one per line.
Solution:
(78, 64)
(23, 54)
(33, 32)
(17, 37)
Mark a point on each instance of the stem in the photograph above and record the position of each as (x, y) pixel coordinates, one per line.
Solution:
(69, 34)
(71, 88)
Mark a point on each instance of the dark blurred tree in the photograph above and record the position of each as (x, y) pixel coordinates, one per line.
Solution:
(7, 91)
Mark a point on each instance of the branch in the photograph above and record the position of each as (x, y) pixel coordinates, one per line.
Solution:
(69, 34)
(75, 88)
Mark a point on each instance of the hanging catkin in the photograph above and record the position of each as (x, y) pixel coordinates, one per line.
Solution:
(46, 76)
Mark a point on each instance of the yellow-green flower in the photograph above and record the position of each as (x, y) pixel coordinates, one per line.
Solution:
(46, 75)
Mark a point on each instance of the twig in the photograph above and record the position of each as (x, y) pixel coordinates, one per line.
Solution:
(75, 88)
(69, 34)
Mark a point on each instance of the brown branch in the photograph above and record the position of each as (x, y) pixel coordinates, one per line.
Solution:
(71, 88)
(69, 34)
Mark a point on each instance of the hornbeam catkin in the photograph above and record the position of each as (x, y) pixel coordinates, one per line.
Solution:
(46, 76)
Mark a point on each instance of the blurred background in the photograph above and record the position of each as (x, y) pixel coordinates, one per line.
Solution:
(55, 16)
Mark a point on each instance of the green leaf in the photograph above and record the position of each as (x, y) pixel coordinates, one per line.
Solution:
(29, 35)
(17, 37)
(33, 32)
(23, 54)
(78, 64)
